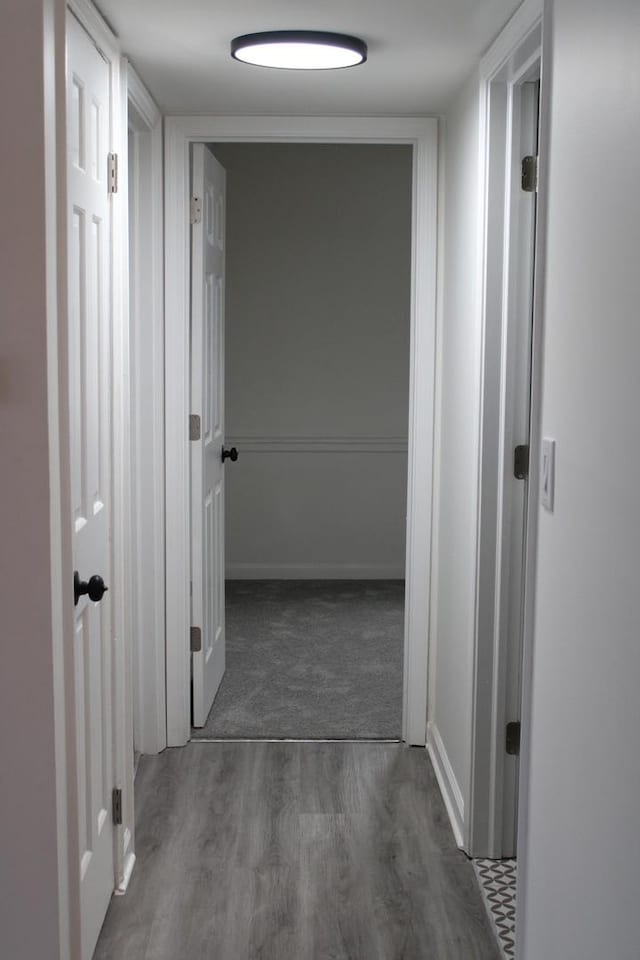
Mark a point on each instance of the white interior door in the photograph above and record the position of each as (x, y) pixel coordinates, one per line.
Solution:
(207, 408)
(89, 229)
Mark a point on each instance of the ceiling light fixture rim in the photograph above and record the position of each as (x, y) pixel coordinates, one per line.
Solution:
(342, 41)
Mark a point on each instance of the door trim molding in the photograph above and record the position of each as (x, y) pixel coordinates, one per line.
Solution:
(422, 135)
(516, 51)
(122, 559)
(147, 401)
(534, 484)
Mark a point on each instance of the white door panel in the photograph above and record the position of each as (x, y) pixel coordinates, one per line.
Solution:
(89, 228)
(207, 402)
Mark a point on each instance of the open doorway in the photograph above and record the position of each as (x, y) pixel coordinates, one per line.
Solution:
(181, 136)
(318, 304)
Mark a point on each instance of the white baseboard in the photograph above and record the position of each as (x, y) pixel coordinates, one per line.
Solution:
(449, 787)
(314, 571)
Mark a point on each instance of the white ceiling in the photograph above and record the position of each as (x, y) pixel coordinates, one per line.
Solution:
(420, 51)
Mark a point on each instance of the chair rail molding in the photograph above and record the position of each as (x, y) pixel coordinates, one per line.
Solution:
(311, 444)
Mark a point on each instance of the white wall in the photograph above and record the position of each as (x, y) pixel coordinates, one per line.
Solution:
(451, 655)
(317, 358)
(580, 889)
(29, 922)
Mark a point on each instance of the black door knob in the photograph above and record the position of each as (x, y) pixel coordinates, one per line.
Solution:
(95, 588)
(231, 454)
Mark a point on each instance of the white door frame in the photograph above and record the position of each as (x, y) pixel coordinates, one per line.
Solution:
(514, 58)
(147, 408)
(124, 857)
(422, 135)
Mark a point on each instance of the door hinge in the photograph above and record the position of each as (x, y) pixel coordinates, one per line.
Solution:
(196, 639)
(194, 426)
(196, 210)
(512, 739)
(112, 172)
(116, 806)
(521, 462)
(530, 174)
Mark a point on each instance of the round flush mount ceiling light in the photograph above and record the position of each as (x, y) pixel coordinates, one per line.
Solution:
(299, 50)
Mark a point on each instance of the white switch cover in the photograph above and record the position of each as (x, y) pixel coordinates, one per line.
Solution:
(547, 479)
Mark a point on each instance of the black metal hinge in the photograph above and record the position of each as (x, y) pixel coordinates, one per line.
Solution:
(196, 639)
(194, 426)
(512, 740)
(521, 462)
(116, 806)
(530, 174)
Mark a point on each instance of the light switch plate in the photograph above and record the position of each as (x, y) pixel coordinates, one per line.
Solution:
(548, 473)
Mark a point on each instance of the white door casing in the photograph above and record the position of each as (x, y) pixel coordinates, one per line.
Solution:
(90, 346)
(146, 342)
(507, 127)
(207, 403)
(181, 133)
(515, 415)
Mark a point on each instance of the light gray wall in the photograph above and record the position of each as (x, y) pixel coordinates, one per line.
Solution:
(581, 887)
(451, 655)
(29, 923)
(317, 358)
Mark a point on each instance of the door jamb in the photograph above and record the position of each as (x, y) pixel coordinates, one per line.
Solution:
(422, 135)
(147, 404)
(507, 63)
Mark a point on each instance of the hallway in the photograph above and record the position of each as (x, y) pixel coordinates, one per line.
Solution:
(295, 851)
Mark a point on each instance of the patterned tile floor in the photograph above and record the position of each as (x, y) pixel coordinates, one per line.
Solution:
(497, 879)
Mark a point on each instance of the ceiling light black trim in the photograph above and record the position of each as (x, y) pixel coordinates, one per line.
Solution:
(342, 40)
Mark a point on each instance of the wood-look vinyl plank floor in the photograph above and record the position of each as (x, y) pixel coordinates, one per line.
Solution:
(295, 851)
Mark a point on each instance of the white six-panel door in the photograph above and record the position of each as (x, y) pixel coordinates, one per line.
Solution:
(207, 403)
(89, 228)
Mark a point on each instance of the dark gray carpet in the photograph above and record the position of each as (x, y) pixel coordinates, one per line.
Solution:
(311, 659)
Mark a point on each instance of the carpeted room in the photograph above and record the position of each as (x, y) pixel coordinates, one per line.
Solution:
(312, 660)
